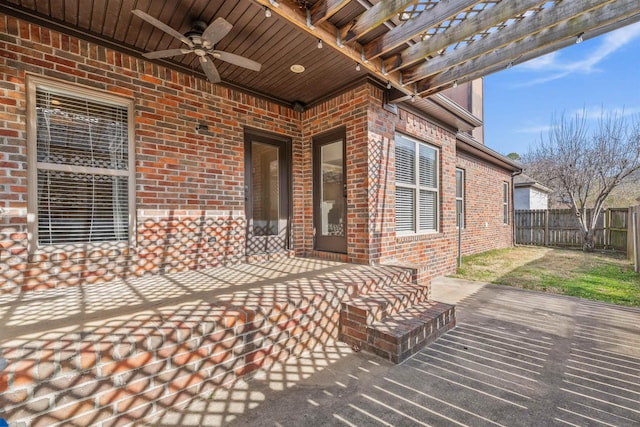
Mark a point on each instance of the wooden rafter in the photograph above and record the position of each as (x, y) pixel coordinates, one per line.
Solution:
(500, 13)
(611, 16)
(373, 18)
(531, 27)
(442, 11)
(540, 52)
(325, 9)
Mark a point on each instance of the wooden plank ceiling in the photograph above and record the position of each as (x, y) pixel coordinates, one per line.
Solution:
(418, 47)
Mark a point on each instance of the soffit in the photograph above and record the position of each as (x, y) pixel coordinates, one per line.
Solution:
(273, 42)
(418, 47)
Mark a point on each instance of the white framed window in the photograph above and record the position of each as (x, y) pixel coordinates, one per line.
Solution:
(417, 183)
(505, 202)
(81, 162)
(460, 198)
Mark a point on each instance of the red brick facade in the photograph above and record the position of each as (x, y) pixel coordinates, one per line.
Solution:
(190, 184)
(436, 252)
(484, 221)
(349, 110)
(190, 214)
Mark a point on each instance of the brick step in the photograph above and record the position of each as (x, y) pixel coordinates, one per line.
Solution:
(121, 369)
(383, 277)
(401, 335)
(383, 302)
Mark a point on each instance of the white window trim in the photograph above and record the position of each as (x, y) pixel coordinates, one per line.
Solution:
(460, 198)
(416, 188)
(505, 202)
(32, 84)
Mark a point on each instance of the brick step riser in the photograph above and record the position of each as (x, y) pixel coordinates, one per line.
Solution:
(403, 302)
(375, 306)
(398, 352)
(426, 328)
(372, 285)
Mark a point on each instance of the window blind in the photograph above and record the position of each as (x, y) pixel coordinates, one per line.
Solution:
(416, 186)
(82, 169)
(405, 206)
(405, 161)
(428, 168)
(428, 209)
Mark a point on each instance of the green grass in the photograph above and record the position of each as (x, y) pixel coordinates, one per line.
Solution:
(601, 276)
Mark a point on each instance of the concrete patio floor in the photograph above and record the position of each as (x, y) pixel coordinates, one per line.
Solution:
(516, 358)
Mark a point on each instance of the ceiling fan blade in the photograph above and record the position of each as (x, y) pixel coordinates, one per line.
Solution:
(216, 31)
(165, 53)
(209, 69)
(162, 26)
(238, 60)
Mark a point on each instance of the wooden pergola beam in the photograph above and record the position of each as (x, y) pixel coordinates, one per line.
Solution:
(608, 18)
(373, 18)
(325, 9)
(535, 54)
(482, 21)
(445, 9)
(545, 19)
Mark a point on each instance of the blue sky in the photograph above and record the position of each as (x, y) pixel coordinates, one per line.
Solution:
(600, 73)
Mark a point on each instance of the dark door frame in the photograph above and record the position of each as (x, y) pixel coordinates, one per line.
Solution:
(284, 145)
(337, 244)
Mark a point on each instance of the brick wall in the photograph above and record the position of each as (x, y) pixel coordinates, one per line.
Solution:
(435, 250)
(189, 184)
(349, 110)
(434, 253)
(120, 370)
(484, 221)
(190, 215)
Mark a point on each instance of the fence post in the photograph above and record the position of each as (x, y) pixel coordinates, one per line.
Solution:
(636, 255)
(630, 253)
(546, 227)
(606, 228)
(459, 239)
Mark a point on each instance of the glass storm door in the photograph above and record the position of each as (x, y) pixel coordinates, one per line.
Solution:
(330, 193)
(266, 194)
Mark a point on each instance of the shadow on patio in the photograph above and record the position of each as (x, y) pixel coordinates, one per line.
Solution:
(516, 358)
(121, 351)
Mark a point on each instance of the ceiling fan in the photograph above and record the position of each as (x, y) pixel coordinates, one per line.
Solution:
(201, 40)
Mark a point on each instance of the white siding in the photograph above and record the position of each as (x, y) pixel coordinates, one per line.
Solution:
(529, 198)
(538, 199)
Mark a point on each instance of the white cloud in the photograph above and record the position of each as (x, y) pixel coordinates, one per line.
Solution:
(555, 67)
(542, 62)
(535, 129)
(597, 112)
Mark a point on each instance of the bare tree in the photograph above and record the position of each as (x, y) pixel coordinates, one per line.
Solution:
(585, 165)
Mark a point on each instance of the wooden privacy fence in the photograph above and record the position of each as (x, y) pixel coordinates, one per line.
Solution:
(560, 227)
